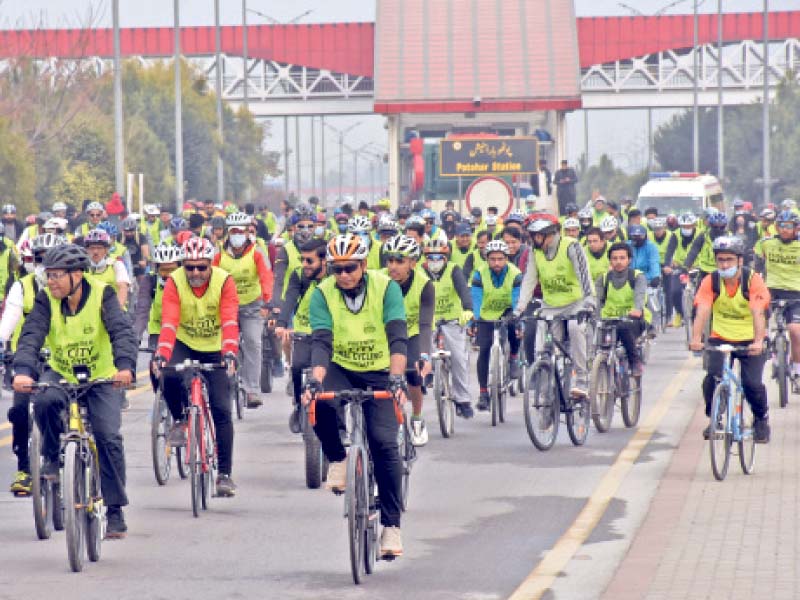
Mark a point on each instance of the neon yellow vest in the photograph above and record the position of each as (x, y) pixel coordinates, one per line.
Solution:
(459, 257)
(28, 297)
(679, 258)
(560, 285)
(80, 339)
(598, 266)
(496, 300)
(359, 339)
(731, 317)
(302, 323)
(412, 299)
(374, 256)
(5, 255)
(107, 275)
(782, 263)
(292, 262)
(244, 273)
(200, 327)
(705, 258)
(154, 323)
(619, 301)
(662, 246)
(448, 302)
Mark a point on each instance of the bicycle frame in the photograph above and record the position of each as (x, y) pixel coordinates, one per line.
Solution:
(555, 351)
(731, 379)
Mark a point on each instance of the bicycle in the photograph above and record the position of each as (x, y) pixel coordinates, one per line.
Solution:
(316, 464)
(362, 504)
(611, 379)
(443, 381)
(656, 302)
(79, 481)
(201, 443)
(499, 380)
(546, 395)
(779, 346)
(408, 454)
(269, 346)
(688, 278)
(239, 394)
(45, 492)
(728, 421)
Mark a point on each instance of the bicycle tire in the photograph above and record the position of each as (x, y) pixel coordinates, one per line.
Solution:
(95, 515)
(180, 462)
(210, 462)
(354, 498)
(601, 394)
(505, 389)
(313, 460)
(578, 418)
(41, 489)
(238, 399)
(747, 441)
(441, 400)
(266, 362)
(451, 402)
(781, 370)
(74, 490)
(631, 404)
(719, 438)
(160, 423)
(195, 468)
(687, 304)
(494, 384)
(408, 454)
(371, 528)
(58, 506)
(542, 407)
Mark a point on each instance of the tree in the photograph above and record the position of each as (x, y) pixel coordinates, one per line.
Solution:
(17, 174)
(612, 182)
(79, 183)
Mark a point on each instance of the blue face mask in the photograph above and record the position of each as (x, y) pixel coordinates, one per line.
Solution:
(728, 273)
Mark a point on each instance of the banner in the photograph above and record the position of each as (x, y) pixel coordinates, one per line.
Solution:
(488, 156)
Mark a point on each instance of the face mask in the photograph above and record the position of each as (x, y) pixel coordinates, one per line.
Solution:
(686, 231)
(237, 240)
(28, 267)
(727, 273)
(435, 266)
(342, 227)
(319, 231)
(301, 237)
(100, 264)
(41, 277)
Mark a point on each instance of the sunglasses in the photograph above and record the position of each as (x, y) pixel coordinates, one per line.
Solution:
(435, 256)
(785, 225)
(304, 227)
(52, 276)
(198, 268)
(308, 261)
(95, 215)
(348, 268)
(38, 259)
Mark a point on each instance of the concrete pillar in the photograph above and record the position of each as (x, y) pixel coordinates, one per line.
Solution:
(394, 159)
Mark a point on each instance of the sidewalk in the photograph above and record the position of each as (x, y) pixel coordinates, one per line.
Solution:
(732, 539)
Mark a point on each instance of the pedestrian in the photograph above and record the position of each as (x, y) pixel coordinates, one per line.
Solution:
(565, 180)
(547, 177)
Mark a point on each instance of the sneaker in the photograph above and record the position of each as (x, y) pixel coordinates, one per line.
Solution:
(177, 435)
(337, 476)
(21, 486)
(636, 369)
(762, 430)
(116, 529)
(419, 433)
(464, 410)
(253, 400)
(513, 372)
(795, 379)
(677, 321)
(225, 486)
(391, 542)
(483, 402)
(295, 426)
(707, 432)
(579, 390)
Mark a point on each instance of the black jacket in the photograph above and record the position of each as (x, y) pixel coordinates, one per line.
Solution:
(37, 326)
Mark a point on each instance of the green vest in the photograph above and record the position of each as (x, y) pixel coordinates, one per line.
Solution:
(200, 327)
(154, 323)
(374, 256)
(28, 297)
(359, 339)
(292, 262)
(302, 323)
(107, 275)
(681, 251)
(459, 257)
(448, 302)
(245, 273)
(705, 258)
(80, 339)
(782, 263)
(731, 317)
(619, 301)
(560, 285)
(598, 266)
(662, 246)
(269, 222)
(412, 299)
(496, 300)
(478, 261)
(5, 258)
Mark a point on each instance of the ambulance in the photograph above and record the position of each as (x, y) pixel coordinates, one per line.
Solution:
(677, 193)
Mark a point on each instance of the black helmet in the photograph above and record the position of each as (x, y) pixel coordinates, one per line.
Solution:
(68, 257)
(403, 211)
(217, 222)
(476, 212)
(571, 208)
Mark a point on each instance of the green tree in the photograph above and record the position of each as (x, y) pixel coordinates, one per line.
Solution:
(17, 174)
(79, 183)
(612, 182)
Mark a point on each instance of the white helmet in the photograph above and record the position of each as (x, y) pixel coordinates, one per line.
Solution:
(496, 246)
(56, 223)
(197, 248)
(437, 245)
(415, 220)
(238, 220)
(359, 224)
(687, 220)
(788, 204)
(609, 224)
(46, 241)
(94, 206)
(152, 210)
(403, 245)
(347, 247)
(585, 213)
(386, 223)
(658, 222)
(572, 223)
(167, 253)
(59, 206)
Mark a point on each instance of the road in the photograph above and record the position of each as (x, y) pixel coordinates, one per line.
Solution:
(486, 508)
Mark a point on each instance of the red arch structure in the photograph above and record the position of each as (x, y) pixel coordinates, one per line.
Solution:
(350, 47)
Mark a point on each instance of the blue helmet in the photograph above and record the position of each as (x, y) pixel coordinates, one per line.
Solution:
(463, 229)
(787, 216)
(178, 224)
(718, 220)
(637, 231)
(111, 229)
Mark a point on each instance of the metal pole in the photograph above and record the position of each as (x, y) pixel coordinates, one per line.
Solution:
(297, 155)
(244, 55)
(313, 161)
(696, 89)
(585, 135)
(324, 174)
(355, 176)
(460, 197)
(119, 144)
(217, 49)
(341, 166)
(178, 115)
(286, 155)
(649, 140)
(765, 109)
(720, 115)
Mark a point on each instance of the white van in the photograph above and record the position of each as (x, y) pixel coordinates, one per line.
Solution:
(681, 193)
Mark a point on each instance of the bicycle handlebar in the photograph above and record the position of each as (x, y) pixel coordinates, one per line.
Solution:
(728, 348)
(68, 386)
(194, 365)
(348, 396)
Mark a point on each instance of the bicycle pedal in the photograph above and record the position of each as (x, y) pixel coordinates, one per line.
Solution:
(21, 494)
(388, 557)
(337, 492)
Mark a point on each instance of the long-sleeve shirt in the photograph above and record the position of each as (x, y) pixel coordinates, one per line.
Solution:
(295, 290)
(171, 316)
(427, 305)
(646, 259)
(262, 267)
(618, 280)
(279, 273)
(12, 311)
(497, 280)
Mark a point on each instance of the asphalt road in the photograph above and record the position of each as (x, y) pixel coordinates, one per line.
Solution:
(485, 508)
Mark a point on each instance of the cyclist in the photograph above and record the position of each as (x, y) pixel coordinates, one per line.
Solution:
(597, 253)
(559, 265)
(360, 226)
(495, 289)
(352, 310)
(572, 228)
(600, 213)
(765, 228)
(104, 268)
(586, 221)
(166, 259)
(477, 257)
(402, 254)
(151, 226)
(9, 263)
(781, 256)
(736, 300)
(453, 302)
(701, 250)
(199, 313)
(12, 227)
(81, 322)
(137, 245)
(645, 254)
(612, 232)
(94, 215)
(491, 226)
(463, 245)
(685, 236)
(517, 250)
(18, 304)
(622, 292)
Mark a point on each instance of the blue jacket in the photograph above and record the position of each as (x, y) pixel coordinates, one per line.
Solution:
(647, 260)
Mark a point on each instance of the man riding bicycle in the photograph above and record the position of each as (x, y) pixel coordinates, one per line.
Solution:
(80, 321)
(199, 315)
(359, 340)
(736, 300)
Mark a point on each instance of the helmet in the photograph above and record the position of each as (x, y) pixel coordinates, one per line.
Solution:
(238, 219)
(585, 213)
(738, 203)
(59, 206)
(788, 204)
(496, 246)
(9, 209)
(768, 214)
(45, 241)
(476, 212)
(490, 220)
(687, 220)
(167, 253)
(787, 216)
(129, 224)
(571, 208)
(437, 245)
(672, 220)
(359, 224)
(231, 209)
(304, 210)
(571, 223)
(637, 231)
(178, 224)
(197, 248)
(109, 228)
(516, 216)
(56, 223)
(384, 203)
(347, 247)
(94, 206)
(387, 224)
(462, 228)
(218, 223)
(44, 216)
(415, 219)
(97, 236)
(151, 210)
(658, 223)
(609, 224)
(69, 257)
(727, 243)
(402, 245)
(707, 212)
(718, 220)
(403, 212)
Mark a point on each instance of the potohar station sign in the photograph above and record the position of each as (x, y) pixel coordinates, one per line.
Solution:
(488, 156)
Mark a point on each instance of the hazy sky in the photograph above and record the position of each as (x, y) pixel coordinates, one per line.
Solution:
(626, 149)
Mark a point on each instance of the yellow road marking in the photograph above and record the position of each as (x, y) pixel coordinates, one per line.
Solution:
(556, 559)
(6, 441)
(5, 426)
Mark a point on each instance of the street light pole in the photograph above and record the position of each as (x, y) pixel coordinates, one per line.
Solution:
(355, 176)
(217, 49)
(341, 165)
(244, 55)
(297, 155)
(695, 114)
(178, 114)
(765, 110)
(286, 155)
(322, 166)
(720, 115)
(313, 160)
(119, 145)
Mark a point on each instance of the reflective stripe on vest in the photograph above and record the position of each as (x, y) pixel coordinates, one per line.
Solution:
(496, 300)
(200, 326)
(560, 285)
(245, 273)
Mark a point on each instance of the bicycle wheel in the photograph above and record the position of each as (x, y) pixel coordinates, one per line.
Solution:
(505, 389)
(210, 463)
(631, 400)
(356, 510)
(195, 462)
(442, 401)
(719, 437)
(494, 384)
(266, 362)
(781, 370)
(314, 458)
(407, 455)
(448, 394)
(578, 416)
(747, 440)
(601, 394)
(94, 512)
(180, 462)
(541, 408)
(686, 304)
(160, 424)
(371, 525)
(41, 489)
(239, 398)
(74, 490)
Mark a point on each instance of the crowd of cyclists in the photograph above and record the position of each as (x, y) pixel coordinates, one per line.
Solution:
(353, 298)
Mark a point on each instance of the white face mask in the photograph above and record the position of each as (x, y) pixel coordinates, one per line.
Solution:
(41, 276)
(237, 240)
(28, 267)
(319, 231)
(435, 266)
(100, 264)
(686, 231)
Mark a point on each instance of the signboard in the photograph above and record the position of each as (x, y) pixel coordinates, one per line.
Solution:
(464, 157)
(490, 191)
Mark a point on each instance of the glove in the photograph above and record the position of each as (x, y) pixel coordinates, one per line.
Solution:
(466, 317)
(397, 384)
(230, 363)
